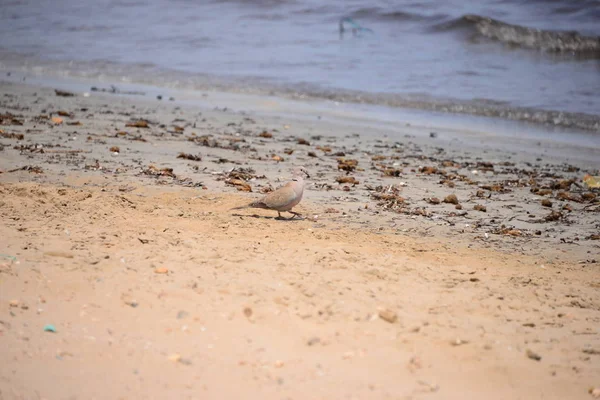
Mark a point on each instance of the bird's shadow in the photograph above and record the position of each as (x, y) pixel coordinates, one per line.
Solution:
(283, 219)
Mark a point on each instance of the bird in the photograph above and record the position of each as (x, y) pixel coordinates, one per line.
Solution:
(284, 198)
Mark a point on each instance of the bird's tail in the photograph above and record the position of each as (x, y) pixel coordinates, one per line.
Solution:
(255, 204)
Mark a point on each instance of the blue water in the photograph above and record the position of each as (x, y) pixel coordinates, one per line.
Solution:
(419, 54)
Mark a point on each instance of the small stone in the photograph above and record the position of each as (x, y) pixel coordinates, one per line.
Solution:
(479, 207)
(546, 203)
(161, 270)
(279, 364)
(14, 303)
(451, 199)
(313, 340)
(533, 355)
(388, 316)
(132, 303)
(595, 392)
(458, 342)
(182, 314)
(415, 363)
(247, 312)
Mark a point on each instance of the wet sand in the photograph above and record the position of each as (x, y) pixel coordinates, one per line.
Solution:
(428, 264)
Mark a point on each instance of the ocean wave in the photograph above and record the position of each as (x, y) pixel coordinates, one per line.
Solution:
(384, 14)
(521, 36)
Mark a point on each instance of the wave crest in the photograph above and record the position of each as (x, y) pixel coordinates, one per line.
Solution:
(530, 38)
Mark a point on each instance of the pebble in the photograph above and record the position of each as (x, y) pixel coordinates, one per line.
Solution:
(388, 316)
(595, 392)
(451, 199)
(533, 355)
(14, 303)
(132, 303)
(247, 312)
(161, 270)
(458, 342)
(313, 340)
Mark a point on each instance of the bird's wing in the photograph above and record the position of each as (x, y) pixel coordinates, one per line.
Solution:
(282, 197)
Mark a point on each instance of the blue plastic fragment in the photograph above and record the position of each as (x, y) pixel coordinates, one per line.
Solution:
(50, 328)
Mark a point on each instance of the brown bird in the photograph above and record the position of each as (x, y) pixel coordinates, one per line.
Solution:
(284, 198)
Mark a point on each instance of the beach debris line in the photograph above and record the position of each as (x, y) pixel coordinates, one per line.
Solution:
(239, 184)
(592, 182)
(10, 119)
(115, 90)
(190, 157)
(239, 178)
(348, 165)
(63, 93)
(210, 141)
(451, 199)
(479, 207)
(166, 172)
(141, 123)
(17, 136)
(30, 168)
(154, 171)
(389, 197)
(347, 179)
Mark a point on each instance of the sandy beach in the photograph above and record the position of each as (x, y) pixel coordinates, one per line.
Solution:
(438, 263)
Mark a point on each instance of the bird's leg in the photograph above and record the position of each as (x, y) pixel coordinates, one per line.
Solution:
(295, 214)
(278, 214)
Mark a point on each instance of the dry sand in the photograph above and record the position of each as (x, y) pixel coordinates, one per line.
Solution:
(157, 290)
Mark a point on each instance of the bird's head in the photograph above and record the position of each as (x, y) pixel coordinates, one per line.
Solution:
(301, 172)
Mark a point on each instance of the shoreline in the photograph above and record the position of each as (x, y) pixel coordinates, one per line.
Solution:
(52, 73)
(156, 288)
